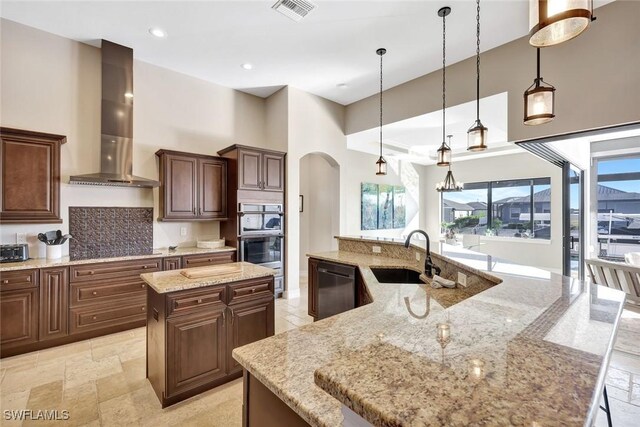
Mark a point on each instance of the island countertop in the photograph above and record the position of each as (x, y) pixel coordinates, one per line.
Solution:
(531, 349)
(171, 281)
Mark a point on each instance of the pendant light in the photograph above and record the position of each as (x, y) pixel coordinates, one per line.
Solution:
(449, 184)
(539, 100)
(381, 164)
(552, 22)
(444, 152)
(477, 133)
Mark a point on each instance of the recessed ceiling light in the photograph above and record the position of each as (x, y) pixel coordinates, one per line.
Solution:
(158, 32)
(247, 66)
(342, 86)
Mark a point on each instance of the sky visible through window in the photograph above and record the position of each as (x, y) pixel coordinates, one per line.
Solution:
(620, 166)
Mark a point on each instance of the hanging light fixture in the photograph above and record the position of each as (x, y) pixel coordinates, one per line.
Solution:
(477, 133)
(539, 100)
(444, 152)
(552, 22)
(381, 164)
(449, 184)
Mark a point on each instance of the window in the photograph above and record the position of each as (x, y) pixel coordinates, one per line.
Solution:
(518, 208)
(618, 207)
(382, 206)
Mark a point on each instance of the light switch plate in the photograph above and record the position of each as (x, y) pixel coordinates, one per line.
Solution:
(462, 279)
(376, 249)
(21, 238)
(417, 256)
(183, 231)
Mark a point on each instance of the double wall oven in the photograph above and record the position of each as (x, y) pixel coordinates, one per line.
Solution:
(261, 237)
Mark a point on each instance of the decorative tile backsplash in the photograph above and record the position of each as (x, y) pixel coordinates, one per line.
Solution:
(100, 232)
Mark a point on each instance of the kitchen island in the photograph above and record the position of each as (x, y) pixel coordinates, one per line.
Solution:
(196, 317)
(532, 349)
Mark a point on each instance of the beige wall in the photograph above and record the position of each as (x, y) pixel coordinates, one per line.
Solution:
(52, 84)
(596, 76)
(544, 254)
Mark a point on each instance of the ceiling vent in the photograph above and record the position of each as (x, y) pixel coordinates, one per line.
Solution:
(294, 9)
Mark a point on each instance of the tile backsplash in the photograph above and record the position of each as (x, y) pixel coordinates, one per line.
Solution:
(100, 232)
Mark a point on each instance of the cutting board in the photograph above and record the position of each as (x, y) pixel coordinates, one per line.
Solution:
(212, 271)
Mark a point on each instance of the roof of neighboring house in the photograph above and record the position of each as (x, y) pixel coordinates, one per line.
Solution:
(457, 206)
(604, 193)
(478, 206)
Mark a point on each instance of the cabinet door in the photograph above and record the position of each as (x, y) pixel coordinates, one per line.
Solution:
(273, 172)
(180, 187)
(19, 315)
(212, 189)
(30, 169)
(249, 322)
(172, 263)
(196, 349)
(313, 284)
(249, 170)
(54, 303)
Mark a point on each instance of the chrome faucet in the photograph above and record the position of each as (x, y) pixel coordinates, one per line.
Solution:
(429, 266)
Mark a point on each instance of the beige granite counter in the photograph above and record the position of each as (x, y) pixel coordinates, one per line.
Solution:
(531, 350)
(64, 261)
(170, 281)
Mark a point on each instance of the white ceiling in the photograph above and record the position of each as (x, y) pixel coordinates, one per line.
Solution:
(335, 44)
(417, 139)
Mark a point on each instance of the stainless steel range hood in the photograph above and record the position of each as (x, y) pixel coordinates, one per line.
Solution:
(116, 144)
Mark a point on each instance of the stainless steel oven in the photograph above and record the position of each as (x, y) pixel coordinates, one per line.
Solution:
(260, 219)
(267, 251)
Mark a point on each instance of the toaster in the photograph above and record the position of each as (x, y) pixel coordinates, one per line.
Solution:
(14, 253)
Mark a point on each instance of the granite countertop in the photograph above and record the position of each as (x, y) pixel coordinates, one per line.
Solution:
(531, 349)
(171, 281)
(157, 253)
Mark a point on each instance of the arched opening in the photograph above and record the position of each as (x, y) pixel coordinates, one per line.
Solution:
(320, 215)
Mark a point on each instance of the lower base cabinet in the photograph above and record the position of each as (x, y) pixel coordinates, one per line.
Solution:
(191, 335)
(18, 317)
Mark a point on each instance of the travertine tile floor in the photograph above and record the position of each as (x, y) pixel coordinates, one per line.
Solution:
(101, 382)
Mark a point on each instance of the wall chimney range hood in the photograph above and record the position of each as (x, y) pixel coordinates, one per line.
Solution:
(116, 139)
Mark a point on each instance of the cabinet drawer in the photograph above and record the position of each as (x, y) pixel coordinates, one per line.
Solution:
(188, 301)
(99, 316)
(113, 270)
(190, 261)
(18, 279)
(250, 289)
(88, 293)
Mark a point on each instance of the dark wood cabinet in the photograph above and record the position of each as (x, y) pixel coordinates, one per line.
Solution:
(54, 303)
(257, 169)
(192, 187)
(313, 284)
(172, 263)
(196, 349)
(191, 335)
(249, 322)
(190, 261)
(30, 171)
(19, 318)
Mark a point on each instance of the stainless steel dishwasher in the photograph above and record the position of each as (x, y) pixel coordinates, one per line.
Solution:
(336, 289)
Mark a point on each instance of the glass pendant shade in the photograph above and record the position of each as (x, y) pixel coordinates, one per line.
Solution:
(449, 184)
(381, 166)
(539, 103)
(477, 137)
(444, 155)
(552, 22)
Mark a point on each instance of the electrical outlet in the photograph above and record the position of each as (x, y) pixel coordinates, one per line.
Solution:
(183, 231)
(417, 256)
(376, 249)
(462, 279)
(21, 238)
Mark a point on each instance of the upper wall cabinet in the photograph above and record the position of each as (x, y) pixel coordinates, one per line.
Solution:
(30, 173)
(192, 187)
(257, 169)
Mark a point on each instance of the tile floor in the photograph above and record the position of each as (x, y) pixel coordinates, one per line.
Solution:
(102, 383)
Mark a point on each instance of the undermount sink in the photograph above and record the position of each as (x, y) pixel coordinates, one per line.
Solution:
(396, 275)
